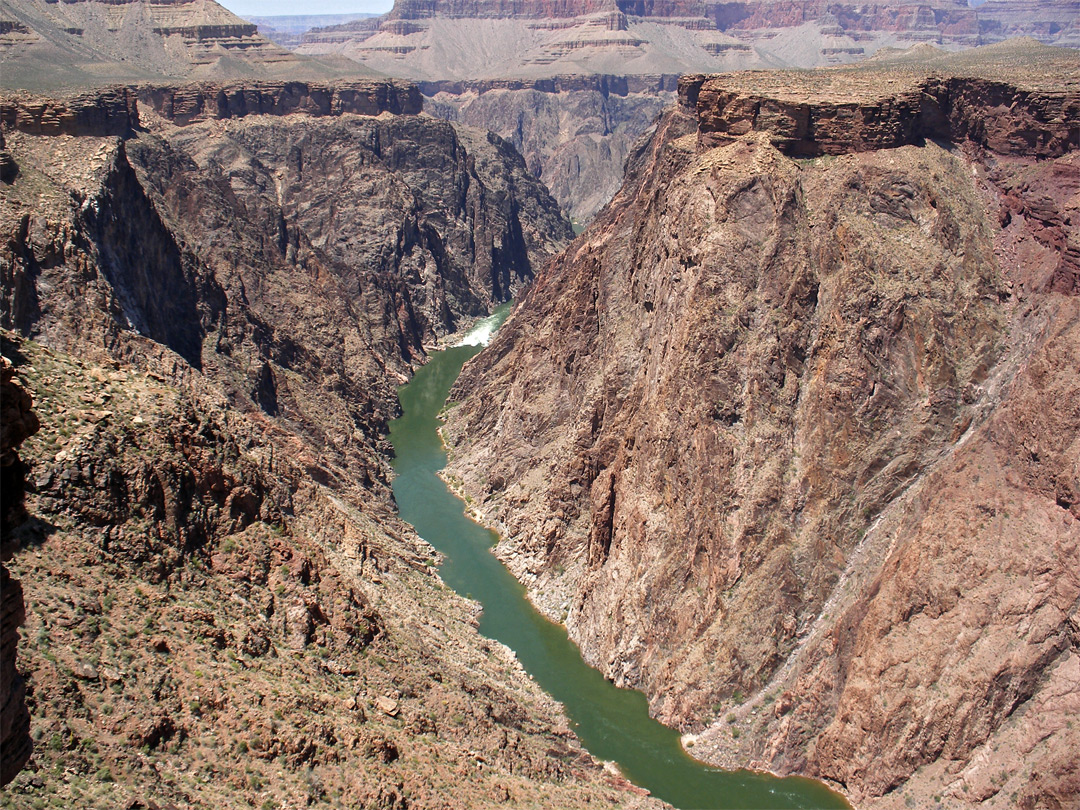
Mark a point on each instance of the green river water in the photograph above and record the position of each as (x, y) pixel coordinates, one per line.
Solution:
(613, 723)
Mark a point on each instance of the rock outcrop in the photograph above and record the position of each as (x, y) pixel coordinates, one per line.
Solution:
(995, 115)
(789, 441)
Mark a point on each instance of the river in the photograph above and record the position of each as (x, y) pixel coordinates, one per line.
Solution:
(613, 723)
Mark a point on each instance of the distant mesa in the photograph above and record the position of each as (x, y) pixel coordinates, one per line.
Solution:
(436, 39)
(46, 45)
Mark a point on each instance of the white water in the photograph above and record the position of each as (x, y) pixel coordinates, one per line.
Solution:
(482, 331)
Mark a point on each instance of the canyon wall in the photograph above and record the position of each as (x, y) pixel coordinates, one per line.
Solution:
(788, 441)
(221, 607)
(574, 132)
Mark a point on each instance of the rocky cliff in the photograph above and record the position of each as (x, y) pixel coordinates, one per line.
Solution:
(574, 132)
(788, 442)
(214, 315)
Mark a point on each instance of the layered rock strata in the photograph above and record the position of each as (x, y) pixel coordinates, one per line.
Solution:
(429, 40)
(789, 442)
(46, 45)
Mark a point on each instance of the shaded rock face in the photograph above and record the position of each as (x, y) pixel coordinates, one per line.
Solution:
(197, 237)
(573, 131)
(18, 423)
(786, 442)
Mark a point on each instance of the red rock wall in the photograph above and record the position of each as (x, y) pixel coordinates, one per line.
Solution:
(994, 115)
(111, 111)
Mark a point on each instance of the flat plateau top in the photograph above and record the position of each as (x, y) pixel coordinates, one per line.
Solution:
(1024, 63)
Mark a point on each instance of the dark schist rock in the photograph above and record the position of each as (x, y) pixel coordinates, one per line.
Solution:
(17, 423)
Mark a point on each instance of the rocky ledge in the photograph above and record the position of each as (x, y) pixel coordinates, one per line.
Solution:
(109, 111)
(995, 115)
(115, 110)
(201, 102)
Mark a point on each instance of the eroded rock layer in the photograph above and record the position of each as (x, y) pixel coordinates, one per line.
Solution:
(790, 442)
(222, 609)
(437, 40)
(46, 45)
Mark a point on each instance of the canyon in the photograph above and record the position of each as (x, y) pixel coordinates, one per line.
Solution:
(788, 437)
(210, 294)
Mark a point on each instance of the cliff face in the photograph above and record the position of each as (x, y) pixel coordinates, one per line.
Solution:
(783, 440)
(222, 608)
(574, 132)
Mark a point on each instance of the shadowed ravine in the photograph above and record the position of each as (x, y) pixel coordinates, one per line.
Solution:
(613, 723)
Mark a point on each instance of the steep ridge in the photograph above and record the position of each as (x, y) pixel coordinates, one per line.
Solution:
(789, 442)
(45, 45)
(223, 609)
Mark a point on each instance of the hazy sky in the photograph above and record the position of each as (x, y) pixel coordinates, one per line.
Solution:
(263, 8)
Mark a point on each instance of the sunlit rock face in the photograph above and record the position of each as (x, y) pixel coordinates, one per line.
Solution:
(787, 437)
